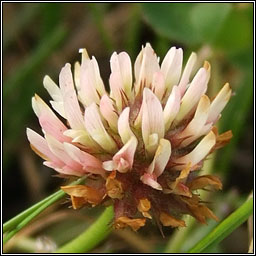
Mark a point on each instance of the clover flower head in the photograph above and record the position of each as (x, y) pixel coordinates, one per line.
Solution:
(142, 143)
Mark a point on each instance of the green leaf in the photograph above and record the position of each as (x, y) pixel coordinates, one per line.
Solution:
(21, 220)
(236, 33)
(92, 236)
(189, 23)
(226, 227)
(171, 20)
(207, 19)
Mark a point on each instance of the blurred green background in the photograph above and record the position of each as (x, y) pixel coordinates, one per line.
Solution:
(39, 38)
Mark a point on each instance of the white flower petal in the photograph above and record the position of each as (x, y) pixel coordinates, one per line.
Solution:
(196, 89)
(172, 107)
(53, 89)
(197, 123)
(58, 106)
(158, 85)
(145, 66)
(171, 67)
(161, 158)
(116, 92)
(152, 118)
(121, 65)
(219, 103)
(82, 137)
(198, 153)
(77, 71)
(91, 84)
(96, 129)
(108, 111)
(71, 105)
(124, 129)
(187, 73)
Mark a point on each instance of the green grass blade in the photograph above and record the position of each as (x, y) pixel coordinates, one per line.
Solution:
(34, 60)
(92, 236)
(30, 217)
(225, 227)
(13, 224)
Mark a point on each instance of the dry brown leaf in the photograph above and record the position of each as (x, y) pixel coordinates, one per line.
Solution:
(78, 202)
(204, 181)
(124, 221)
(221, 139)
(114, 187)
(91, 195)
(168, 220)
(144, 206)
(178, 187)
(201, 212)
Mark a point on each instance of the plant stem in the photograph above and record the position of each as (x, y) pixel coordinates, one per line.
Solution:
(92, 236)
(18, 222)
(225, 227)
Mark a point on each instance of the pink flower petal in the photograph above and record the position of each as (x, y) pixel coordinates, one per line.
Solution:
(57, 149)
(49, 122)
(63, 170)
(150, 180)
(41, 147)
(90, 163)
(71, 105)
(123, 159)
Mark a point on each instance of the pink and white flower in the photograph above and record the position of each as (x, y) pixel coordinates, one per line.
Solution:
(139, 137)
